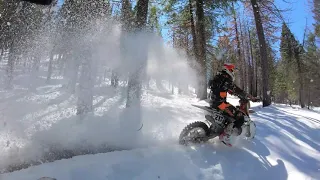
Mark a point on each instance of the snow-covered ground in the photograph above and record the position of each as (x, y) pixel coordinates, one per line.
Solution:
(286, 146)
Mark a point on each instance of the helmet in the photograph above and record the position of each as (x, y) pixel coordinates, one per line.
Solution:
(229, 69)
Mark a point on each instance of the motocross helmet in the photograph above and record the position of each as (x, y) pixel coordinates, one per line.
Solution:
(229, 69)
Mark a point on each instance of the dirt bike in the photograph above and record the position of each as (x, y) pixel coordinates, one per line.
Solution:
(200, 132)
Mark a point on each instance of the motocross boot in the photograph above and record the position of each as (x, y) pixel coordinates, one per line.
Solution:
(225, 136)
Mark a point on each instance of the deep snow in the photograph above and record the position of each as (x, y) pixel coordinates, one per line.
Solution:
(286, 146)
(38, 118)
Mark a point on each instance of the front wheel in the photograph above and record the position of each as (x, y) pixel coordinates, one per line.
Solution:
(196, 132)
(249, 130)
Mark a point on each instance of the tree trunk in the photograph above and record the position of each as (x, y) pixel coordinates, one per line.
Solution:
(126, 20)
(263, 54)
(50, 67)
(256, 77)
(253, 83)
(85, 98)
(25, 64)
(243, 59)
(195, 41)
(2, 53)
(300, 78)
(126, 15)
(142, 13)
(238, 47)
(309, 99)
(202, 50)
(249, 59)
(193, 32)
(36, 63)
(134, 83)
(10, 67)
(34, 71)
(172, 88)
(114, 78)
(61, 63)
(73, 73)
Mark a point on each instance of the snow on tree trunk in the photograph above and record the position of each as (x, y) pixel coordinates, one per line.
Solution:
(85, 91)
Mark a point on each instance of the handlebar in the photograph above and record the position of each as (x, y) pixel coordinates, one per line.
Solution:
(256, 99)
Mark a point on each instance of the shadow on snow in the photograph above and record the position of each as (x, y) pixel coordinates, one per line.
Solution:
(289, 130)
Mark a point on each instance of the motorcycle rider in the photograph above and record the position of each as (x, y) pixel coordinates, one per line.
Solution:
(220, 85)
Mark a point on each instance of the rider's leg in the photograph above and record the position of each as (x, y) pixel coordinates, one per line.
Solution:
(227, 108)
(239, 116)
(225, 135)
(236, 114)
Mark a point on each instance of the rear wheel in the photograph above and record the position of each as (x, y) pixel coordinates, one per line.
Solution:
(196, 132)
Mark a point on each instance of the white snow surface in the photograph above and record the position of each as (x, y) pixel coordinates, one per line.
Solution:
(286, 146)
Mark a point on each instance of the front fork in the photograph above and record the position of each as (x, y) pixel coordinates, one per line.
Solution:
(244, 107)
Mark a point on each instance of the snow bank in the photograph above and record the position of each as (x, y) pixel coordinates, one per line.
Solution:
(286, 146)
(174, 162)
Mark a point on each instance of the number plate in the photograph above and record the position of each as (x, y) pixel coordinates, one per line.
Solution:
(218, 118)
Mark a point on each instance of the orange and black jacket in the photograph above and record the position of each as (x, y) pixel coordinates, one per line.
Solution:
(220, 85)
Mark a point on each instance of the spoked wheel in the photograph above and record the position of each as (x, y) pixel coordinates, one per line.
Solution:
(252, 127)
(249, 130)
(196, 132)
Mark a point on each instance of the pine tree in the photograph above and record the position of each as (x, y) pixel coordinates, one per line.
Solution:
(316, 11)
(312, 75)
(153, 20)
(291, 52)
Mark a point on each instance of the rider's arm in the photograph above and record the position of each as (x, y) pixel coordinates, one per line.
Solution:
(215, 82)
(235, 90)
